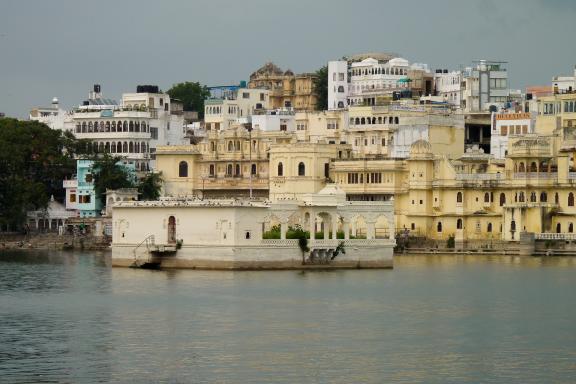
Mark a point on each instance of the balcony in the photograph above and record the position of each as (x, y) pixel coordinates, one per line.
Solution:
(478, 176)
(536, 175)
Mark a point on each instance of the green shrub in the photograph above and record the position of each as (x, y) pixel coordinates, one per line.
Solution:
(451, 242)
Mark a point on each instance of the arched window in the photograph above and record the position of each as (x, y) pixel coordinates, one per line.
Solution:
(521, 197)
(543, 197)
(390, 120)
(212, 171)
(556, 198)
(107, 126)
(253, 169)
(183, 169)
(459, 197)
(143, 147)
(459, 224)
(229, 170)
(280, 169)
(125, 126)
(512, 226)
(113, 126)
(502, 199)
(357, 121)
(230, 146)
(363, 121)
(533, 197)
(489, 229)
(439, 227)
(521, 168)
(131, 147)
(571, 228)
(125, 147)
(486, 197)
(396, 120)
(301, 169)
(533, 167)
(237, 169)
(558, 228)
(131, 126)
(113, 147)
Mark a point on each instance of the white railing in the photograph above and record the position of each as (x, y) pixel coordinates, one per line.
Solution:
(555, 236)
(572, 175)
(330, 243)
(280, 242)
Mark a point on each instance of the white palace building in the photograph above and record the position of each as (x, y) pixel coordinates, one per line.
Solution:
(229, 234)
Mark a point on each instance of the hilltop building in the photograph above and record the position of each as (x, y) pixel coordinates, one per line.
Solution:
(286, 89)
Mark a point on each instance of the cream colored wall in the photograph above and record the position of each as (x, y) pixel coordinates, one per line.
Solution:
(194, 225)
(447, 140)
(168, 164)
(291, 185)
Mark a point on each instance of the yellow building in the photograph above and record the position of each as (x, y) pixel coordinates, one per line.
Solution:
(438, 190)
(286, 88)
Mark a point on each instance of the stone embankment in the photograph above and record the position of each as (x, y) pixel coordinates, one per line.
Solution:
(53, 241)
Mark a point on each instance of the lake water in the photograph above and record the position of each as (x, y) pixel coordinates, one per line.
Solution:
(70, 318)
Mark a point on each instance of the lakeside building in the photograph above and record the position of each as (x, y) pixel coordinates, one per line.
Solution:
(286, 89)
(232, 234)
(133, 128)
(439, 188)
(81, 197)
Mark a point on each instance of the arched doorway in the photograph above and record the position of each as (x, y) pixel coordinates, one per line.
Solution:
(171, 230)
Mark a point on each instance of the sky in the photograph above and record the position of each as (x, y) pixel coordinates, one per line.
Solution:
(61, 48)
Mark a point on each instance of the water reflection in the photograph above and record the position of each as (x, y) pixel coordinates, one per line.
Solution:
(442, 318)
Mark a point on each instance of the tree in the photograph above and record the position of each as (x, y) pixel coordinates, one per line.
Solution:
(150, 186)
(192, 96)
(34, 160)
(321, 88)
(109, 173)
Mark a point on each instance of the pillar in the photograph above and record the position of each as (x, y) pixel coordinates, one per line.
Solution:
(370, 230)
(354, 233)
(334, 228)
(312, 225)
(283, 229)
(346, 230)
(325, 228)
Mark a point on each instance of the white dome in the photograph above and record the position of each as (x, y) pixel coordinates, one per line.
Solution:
(398, 62)
(55, 100)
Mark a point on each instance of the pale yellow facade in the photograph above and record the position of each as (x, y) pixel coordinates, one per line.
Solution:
(438, 190)
(287, 90)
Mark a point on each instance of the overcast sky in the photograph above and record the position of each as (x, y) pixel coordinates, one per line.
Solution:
(61, 47)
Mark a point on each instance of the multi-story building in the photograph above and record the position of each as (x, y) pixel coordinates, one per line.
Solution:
(229, 163)
(448, 85)
(485, 85)
(53, 116)
(81, 194)
(505, 125)
(132, 129)
(370, 80)
(390, 130)
(337, 84)
(223, 112)
(287, 90)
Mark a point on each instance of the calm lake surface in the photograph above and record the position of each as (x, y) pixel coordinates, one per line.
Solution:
(70, 318)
